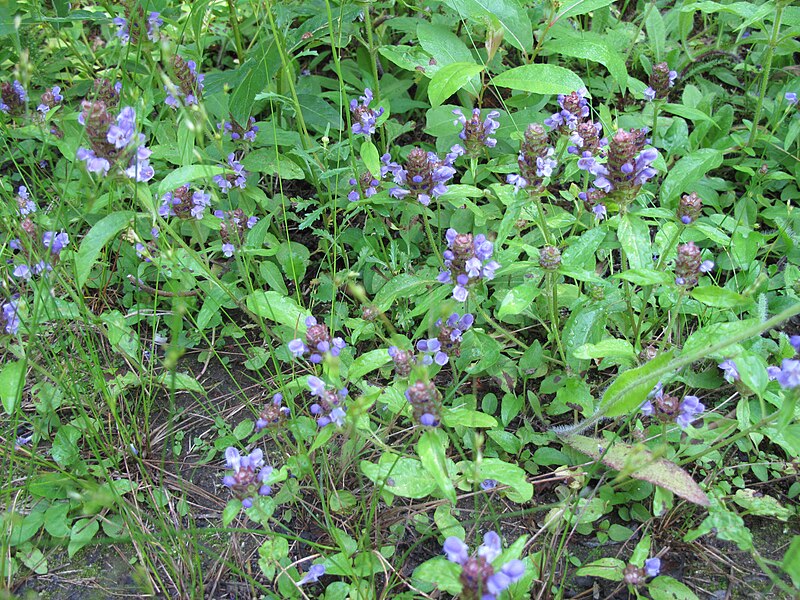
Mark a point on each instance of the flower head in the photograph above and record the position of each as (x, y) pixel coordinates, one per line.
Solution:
(364, 117)
(467, 259)
(480, 579)
(689, 266)
(426, 403)
(329, 407)
(318, 343)
(237, 178)
(365, 186)
(50, 98)
(237, 132)
(313, 574)
(189, 86)
(535, 159)
(13, 97)
(233, 229)
(423, 178)
(9, 319)
(56, 242)
(788, 375)
(249, 477)
(667, 407)
(729, 370)
(689, 208)
(273, 413)
(790, 97)
(573, 108)
(661, 80)
(475, 133)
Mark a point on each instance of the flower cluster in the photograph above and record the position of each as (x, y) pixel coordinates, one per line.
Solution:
(550, 258)
(50, 98)
(237, 132)
(661, 80)
(787, 375)
(627, 166)
(53, 241)
(9, 319)
(184, 203)
(365, 186)
(423, 178)
(480, 580)
(535, 159)
(475, 133)
(129, 29)
(689, 208)
(190, 83)
(114, 141)
(12, 98)
(107, 93)
(636, 576)
(232, 228)
(573, 108)
(689, 266)
(329, 407)
(467, 259)
(364, 117)
(273, 413)
(236, 179)
(729, 370)
(403, 360)
(448, 342)
(426, 403)
(250, 475)
(318, 342)
(25, 205)
(587, 137)
(667, 408)
(146, 250)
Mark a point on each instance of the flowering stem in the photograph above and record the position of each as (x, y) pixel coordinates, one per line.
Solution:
(552, 300)
(765, 75)
(431, 239)
(548, 238)
(503, 331)
(237, 35)
(656, 108)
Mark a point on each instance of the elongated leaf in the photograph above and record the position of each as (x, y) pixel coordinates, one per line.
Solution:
(688, 171)
(256, 71)
(368, 362)
(630, 388)
(640, 463)
(573, 8)
(318, 113)
(402, 285)
(431, 454)
(718, 297)
(449, 79)
(518, 299)
(634, 236)
(509, 13)
(371, 157)
(178, 177)
(446, 48)
(279, 308)
(93, 243)
(12, 380)
(540, 79)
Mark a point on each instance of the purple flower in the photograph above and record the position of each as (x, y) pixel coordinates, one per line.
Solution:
(475, 133)
(49, 99)
(24, 203)
(649, 94)
(10, 320)
(237, 132)
(12, 98)
(652, 566)
(364, 118)
(22, 272)
(423, 178)
(55, 241)
(365, 184)
(329, 407)
(190, 83)
(467, 260)
(729, 370)
(274, 412)
(690, 409)
(200, 201)
(297, 348)
(122, 29)
(426, 402)
(661, 80)
(488, 484)
(238, 178)
(795, 342)
(790, 97)
(789, 375)
(479, 578)
(313, 574)
(250, 475)
(573, 108)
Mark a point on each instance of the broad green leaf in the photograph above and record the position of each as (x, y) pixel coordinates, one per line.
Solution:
(687, 112)
(184, 175)
(667, 588)
(718, 297)
(465, 416)
(584, 325)
(257, 70)
(589, 46)
(371, 158)
(791, 561)
(446, 48)
(608, 347)
(368, 362)
(231, 511)
(95, 240)
(573, 8)
(318, 113)
(656, 33)
(634, 236)
(12, 380)
(400, 476)
(443, 572)
(645, 276)
(630, 388)
(540, 79)
(431, 454)
(763, 505)
(518, 299)
(508, 474)
(180, 381)
(81, 534)
(511, 14)
(267, 160)
(605, 568)
(449, 79)
(278, 308)
(401, 286)
(447, 524)
(581, 252)
(638, 462)
(687, 172)
(410, 58)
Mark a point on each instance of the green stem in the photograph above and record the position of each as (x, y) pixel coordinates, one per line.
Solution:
(237, 35)
(552, 298)
(548, 237)
(431, 239)
(765, 75)
(503, 331)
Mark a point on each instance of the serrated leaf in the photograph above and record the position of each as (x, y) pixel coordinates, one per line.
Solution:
(95, 240)
(431, 454)
(449, 79)
(640, 463)
(630, 388)
(540, 79)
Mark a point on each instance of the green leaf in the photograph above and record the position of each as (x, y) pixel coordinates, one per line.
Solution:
(81, 534)
(645, 276)
(589, 46)
(446, 48)
(94, 241)
(762, 505)
(518, 299)
(656, 33)
(630, 388)
(400, 476)
(183, 175)
(667, 588)
(605, 568)
(508, 474)
(718, 297)
(540, 79)
(279, 308)
(410, 58)
(581, 7)
(12, 380)
(403, 285)
(180, 381)
(687, 172)
(607, 347)
(634, 236)
(638, 462)
(511, 15)
(254, 75)
(371, 158)
(318, 113)
(231, 511)
(368, 362)
(687, 112)
(431, 454)
(791, 561)
(441, 572)
(467, 417)
(449, 79)
(267, 160)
